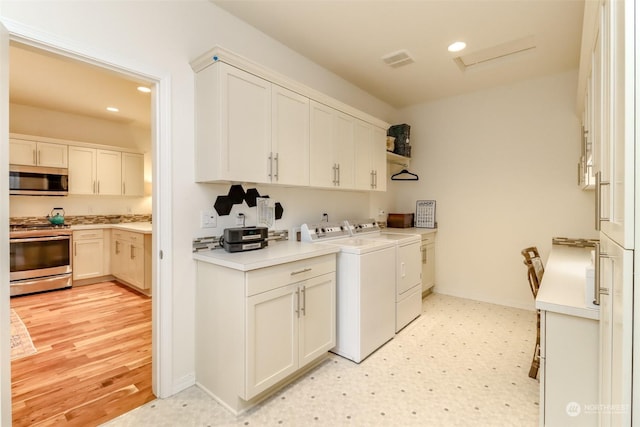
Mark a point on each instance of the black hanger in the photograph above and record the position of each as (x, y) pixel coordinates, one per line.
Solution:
(399, 176)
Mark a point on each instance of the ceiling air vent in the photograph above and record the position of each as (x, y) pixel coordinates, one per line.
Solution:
(398, 59)
(495, 52)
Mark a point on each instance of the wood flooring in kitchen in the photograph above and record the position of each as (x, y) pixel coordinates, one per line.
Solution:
(93, 360)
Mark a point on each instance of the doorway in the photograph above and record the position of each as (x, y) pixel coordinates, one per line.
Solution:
(160, 192)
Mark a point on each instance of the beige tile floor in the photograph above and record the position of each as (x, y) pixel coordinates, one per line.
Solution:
(462, 363)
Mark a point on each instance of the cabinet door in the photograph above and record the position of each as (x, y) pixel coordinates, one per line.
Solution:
(290, 137)
(409, 268)
(344, 148)
(322, 171)
(52, 155)
(363, 143)
(22, 152)
(87, 258)
(428, 266)
(618, 198)
(246, 125)
(119, 261)
(272, 338)
(132, 174)
(317, 317)
(109, 172)
(82, 170)
(136, 265)
(379, 158)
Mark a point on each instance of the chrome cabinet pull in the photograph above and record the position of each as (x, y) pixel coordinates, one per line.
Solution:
(303, 309)
(598, 289)
(599, 184)
(277, 161)
(132, 252)
(270, 166)
(304, 270)
(94, 187)
(298, 303)
(35, 158)
(124, 189)
(338, 173)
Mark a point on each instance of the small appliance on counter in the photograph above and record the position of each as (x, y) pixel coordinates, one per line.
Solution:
(243, 239)
(400, 220)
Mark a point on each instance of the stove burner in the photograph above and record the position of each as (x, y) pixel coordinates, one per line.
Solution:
(41, 226)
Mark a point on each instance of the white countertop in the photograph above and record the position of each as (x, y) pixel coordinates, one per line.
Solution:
(274, 254)
(412, 230)
(138, 227)
(563, 285)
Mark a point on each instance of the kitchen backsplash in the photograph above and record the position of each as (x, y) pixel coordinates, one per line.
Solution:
(85, 219)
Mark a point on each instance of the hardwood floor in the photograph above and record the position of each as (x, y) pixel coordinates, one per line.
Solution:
(94, 356)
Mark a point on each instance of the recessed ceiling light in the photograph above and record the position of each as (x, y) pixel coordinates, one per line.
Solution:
(456, 46)
(144, 89)
(113, 109)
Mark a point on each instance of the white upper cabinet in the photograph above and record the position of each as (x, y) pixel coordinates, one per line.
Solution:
(82, 170)
(290, 137)
(370, 157)
(615, 50)
(332, 148)
(253, 125)
(132, 174)
(109, 173)
(233, 125)
(33, 153)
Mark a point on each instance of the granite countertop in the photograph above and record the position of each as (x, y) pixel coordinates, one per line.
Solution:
(274, 254)
(138, 227)
(564, 282)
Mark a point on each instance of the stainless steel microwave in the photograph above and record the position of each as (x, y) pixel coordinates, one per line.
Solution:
(38, 181)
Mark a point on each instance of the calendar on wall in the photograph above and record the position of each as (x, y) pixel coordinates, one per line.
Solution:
(425, 214)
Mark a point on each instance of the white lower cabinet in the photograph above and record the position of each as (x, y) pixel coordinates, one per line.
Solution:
(568, 370)
(88, 254)
(428, 249)
(256, 330)
(131, 259)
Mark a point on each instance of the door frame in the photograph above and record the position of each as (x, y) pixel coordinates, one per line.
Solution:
(162, 332)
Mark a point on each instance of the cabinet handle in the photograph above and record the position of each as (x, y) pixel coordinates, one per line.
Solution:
(35, 159)
(304, 270)
(75, 248)
(98, 187)
(94, 187)
(132, 252)
(117, 247)
(598, 289)
(579, 173)
(599, 184)
(275, 175)
(335, 174)
(298, 302)
(424, 254)
(39, 157)
(303, 309)
(271, 166)
(124, 189)
(403, 270)
(375, 174)
(338, 173)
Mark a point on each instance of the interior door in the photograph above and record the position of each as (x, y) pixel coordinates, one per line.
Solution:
(5, 364)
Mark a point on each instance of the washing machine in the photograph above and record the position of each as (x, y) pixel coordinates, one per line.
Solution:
(407, 264)
(365, 289)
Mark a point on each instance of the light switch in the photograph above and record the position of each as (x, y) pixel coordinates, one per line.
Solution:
(208, 219)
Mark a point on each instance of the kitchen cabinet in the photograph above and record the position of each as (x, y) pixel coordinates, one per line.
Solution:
(253, 125)
(370, 157)
(88, 254)
(428, 250)
(615, 173)
(256, 329)
(34, 153)
(233, 125)
(132, 174)
(290, 138)
(616, 335)
(131, 259)
(332, 148)
(569, 343)
(105, 172)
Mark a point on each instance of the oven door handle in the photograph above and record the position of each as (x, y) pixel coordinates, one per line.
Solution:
(39, 239)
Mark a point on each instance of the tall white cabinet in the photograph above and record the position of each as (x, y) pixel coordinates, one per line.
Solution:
(614, 78)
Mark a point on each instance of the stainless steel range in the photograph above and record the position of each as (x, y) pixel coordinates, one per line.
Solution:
(40, 258)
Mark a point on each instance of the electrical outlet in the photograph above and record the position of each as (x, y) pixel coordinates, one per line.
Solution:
(207, 219)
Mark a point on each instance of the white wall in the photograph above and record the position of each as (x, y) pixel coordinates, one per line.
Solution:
(166, 35)
(501, 164)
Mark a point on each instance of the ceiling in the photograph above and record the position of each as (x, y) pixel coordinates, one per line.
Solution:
(350, 37)
(42, 79)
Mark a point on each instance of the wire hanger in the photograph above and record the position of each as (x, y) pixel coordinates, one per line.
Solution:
(404, 175)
